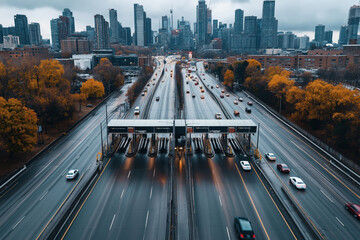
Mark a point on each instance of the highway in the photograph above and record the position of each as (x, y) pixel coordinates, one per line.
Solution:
(327, 190)
(31, 201)
(223, 190)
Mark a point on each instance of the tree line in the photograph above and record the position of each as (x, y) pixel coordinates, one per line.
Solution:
(331, 112)
(43, 93)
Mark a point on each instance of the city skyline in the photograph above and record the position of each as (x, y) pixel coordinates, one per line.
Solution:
(331, 14)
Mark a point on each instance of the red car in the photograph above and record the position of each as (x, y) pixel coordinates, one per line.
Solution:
(354, 209)
(282, 167)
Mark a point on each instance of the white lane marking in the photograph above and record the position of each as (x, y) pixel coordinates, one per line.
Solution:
(112, 222)
(147, 217)
(154, 172)
(220, 200)
(47, 165)
(340, 221)
(18, 223)
(151, 191)
(326, 196)
(227, 230)
(296, 145)
(43, 195)
(129, 174)
(122, 193)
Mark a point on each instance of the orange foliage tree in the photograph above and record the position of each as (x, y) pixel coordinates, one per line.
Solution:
(229, 78)
(279, 85)
(92, 89)
(17, 126)
(111, 76)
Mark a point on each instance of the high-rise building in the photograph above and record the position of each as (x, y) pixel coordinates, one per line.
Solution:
(148, 32)
(185, 36)
(90, 34)
(35, 35)
(11, 42)
(165, 23)
(289, 38)
(60, 30)
(239, 21)
(139, 18)
(328, 36)
(269, 25)
(209, 26)
(353, 24)
(1, 34)
(126, 35)
(250, 33)
(114, 26)
(102, 37)
(304, 42)
(22, 29)
(320, 33)
(67, 13)
(343, 37)
(9, 31)
(201, 23)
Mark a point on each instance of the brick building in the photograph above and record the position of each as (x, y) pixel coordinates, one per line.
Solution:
(75, 45)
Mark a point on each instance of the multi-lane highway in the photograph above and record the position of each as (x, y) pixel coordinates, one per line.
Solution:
(327, 191)
(129, 199)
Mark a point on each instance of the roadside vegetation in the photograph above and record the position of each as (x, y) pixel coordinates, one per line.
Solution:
(47, 94)
(136, 89)
(330, 112)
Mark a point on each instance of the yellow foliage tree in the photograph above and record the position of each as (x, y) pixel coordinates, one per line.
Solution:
(51, 75)
(270, 72)
(229, 78)
(92, 89)
(280, 84)
(252, 67)
(17, 126)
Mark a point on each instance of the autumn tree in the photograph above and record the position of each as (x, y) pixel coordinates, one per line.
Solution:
(111, 76)
(279, 85)
(229, 78)
(92, 89)
(17, 126)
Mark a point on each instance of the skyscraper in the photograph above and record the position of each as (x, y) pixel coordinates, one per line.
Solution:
(139, 23)
(35, 35)
(269, 25)
(1, 34)
(60, 30)
(320, 33)
(22, 29)
(67, 13)
(102, 38)
(165, 23)
(201, 23)
(328, 36)
(148, 32)
(343, 38)
(353, 24)
(250, 33)
(114, 26)
(239, 21)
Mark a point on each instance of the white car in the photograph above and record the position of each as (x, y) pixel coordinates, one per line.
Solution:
(72, 174)
(236, 102)
(245, 165)
(137, 110)
(218, 115)
(270, 156)
(297, 182)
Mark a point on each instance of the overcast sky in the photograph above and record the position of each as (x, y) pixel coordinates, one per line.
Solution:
(299, 16)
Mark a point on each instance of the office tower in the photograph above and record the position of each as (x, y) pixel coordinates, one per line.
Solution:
(67, 13)
(353, 24)
(328, 36)
(320, 33)
(60, 30)
(148, 32)
(201, 23)
(304, 42)
(22, 29)
(280, 39)
(250, 33)
(289, 38)
(1, 34)
(343, 37)
(209, 26)
(90, 34)
(239, 21)
(185, 36)
(165, 23)
(114, 26)
(35, 35)
(139, 18)
(102, 38)
(269, 25)
(126, 35)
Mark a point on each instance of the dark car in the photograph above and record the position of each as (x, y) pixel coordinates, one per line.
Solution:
(248, 110)
(222, 95)
(243, 228)
(193, 95)
(282, 167)
(354, 209)
(157, 98)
